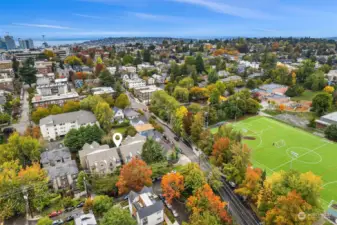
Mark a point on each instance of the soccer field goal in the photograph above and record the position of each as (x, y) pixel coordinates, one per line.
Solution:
(280, 144)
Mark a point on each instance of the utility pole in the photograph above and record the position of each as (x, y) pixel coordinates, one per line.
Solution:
(85, 186)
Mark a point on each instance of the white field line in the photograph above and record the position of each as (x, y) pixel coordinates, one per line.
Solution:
(299, 156)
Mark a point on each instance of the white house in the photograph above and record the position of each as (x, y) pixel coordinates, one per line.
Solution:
(54, 126)
(150, 81)
(146, 207)
(134, 83)
(112, 70)
(332, 75)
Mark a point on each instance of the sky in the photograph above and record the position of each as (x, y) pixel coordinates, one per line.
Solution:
(92, 19)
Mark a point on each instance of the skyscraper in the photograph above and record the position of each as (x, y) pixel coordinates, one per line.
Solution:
(26, 44)
(3, 45)
(10, 43)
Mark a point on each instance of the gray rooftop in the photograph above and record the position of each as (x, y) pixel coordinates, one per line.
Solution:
(132, 146)
(130, 113)
(81, 116)
(328, 119)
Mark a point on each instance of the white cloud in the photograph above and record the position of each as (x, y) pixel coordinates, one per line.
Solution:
(228, 9)
(89, 16)
(157, 17)
(42, 26)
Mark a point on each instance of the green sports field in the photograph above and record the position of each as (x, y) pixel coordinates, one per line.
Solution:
(278, 146)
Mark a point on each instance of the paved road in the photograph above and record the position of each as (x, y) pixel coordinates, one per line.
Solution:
(24, 119)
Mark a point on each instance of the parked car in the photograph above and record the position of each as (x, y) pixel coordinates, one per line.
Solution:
(69, 218)
(175, 214)
(176, 138)
(232, 184)
(57, 222)
(69, 209)
(80, 205)
(55, 213)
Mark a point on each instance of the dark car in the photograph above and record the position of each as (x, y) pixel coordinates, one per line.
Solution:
(176, 138)
(69, 209)
(69, 218)
(80, 205)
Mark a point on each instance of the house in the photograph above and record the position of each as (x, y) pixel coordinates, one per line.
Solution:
(44, 67)
(54, 126)
(62, 170)
(6, 83)
(134, 83)
(41, 79)
(118, 114)
(158, 79)
(332, 75)
(128, 69)
(52, 89)
(232, 79)
(86, 219)
(144, 93)
(144, 129)
(112, 70)
(146, 207)
(223, 73)
(102, 90)
(99, 158)
(130, 114)
(326, 120)
(59, 99)
(150, 81)
(131, 147)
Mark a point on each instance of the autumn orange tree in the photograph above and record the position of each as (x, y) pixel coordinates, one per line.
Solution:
(172, 185)
(221, 153)
(205, 200)
(251, 185)
(282, 107)
(287, 211)
(33, 131)
(134, 176)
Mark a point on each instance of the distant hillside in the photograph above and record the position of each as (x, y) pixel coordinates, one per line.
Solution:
(119, 40)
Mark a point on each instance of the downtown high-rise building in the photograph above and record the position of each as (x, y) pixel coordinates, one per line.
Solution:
(3, 45)
(26, 44)
(10, 43)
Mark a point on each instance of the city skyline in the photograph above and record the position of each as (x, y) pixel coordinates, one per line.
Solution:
(175, 18)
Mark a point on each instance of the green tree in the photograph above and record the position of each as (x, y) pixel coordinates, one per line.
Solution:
(194, 177)
(39, 113)
(55, 109)
(106, 78)
(197, 126)
(90, 102)
(187, 82)
(331, 132)
(146, 55)
(104, 115)
(306, 69)
(214, 98)
(82, 176)
(118, 216)
(101, 205)
(127, 59)
(23, 148)
(28, 72)
(214, 178)
(152, 152)
(315, 81)
(181, 94)
(45, 221)
(73, 61)
(4, 118)
(15, 66)
(199, 64)
(212, 77)
(203, 218)
(321, 103)
(122, 101)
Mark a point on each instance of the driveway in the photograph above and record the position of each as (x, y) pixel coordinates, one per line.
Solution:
(24, 119)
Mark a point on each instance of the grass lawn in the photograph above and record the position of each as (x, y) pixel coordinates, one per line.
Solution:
(307, 95)
(294, 148)
(121, 129)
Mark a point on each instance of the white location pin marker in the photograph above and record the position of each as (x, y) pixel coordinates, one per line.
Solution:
(117, 138)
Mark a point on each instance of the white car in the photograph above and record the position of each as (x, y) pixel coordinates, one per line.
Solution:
(175, 214)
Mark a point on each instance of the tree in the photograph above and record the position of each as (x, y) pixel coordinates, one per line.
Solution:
(187, 82)
(252, 106)
(73, 60)
(117, 216)
(122, 101)
(33, 131)
(212, 77)
(221, 153)
(87, 205)
(315, 81)
(199, 64)
(235, 170)
(49, 54)
(197, 126)
(329, 89)
(106, 78)
(134, 176)
(205, 200)
(187, 123)
(24, 149)
(203, 218)
(152, 151)
(4, 118)
(214, 178)
(71, 106)
(251, 185)
(146, 55)
(101, 204)
(321, 103)
(90, 102)
(39, 113)
(45, 221)
(181, 94)
(194, 177)
(331, 132)
(81, 178)
(205, 143)
(214, 97)
(55, 109)
(287, 209)
(172, 185)
(75, 139)
(28, 72)
(306, 69)
(104, 115)
(15, 66)
(180, 113)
